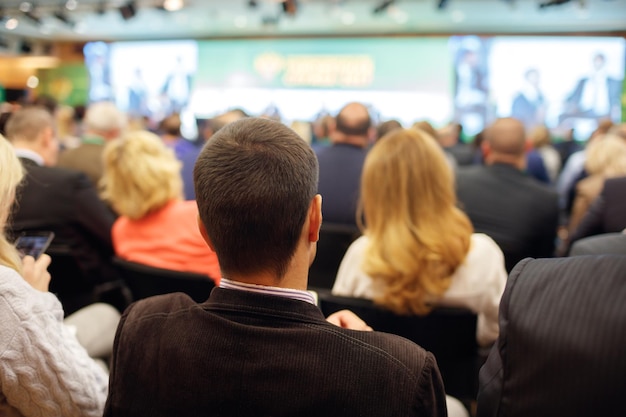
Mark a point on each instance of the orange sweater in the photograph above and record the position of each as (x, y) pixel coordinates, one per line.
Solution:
(168, 238)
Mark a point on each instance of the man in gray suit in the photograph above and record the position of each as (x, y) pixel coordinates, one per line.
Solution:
(502, 201)
(561, 346)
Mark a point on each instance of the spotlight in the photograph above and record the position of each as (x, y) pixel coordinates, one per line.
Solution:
(289, 7)
(62, 16)
(30, 11)
(383, 6)
(173, 5)
(128, 10)
(552, 3)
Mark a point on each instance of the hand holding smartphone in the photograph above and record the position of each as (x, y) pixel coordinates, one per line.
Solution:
(33, 243)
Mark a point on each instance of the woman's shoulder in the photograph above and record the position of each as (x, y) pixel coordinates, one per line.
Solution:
(483, 251)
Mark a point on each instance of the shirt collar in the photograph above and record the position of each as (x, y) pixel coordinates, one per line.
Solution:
(28, 154)
(294, 294)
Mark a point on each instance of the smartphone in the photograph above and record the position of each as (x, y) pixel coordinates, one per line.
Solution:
(33, 243)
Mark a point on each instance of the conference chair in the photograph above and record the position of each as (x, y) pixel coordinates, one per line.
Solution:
(603, 244)
(146, 281)
(449, 333)
(333, 243)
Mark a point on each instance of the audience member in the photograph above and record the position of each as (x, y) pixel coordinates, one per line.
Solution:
(573, 169)
(256, 183)
(449, 137)
(428, 128)
(45, 371)
(66, 127)
(185, 151)
(516, 211)
(387, 126)
(103, 122)
(560, 351)
(417, 249)
(341, 163)
(322, 127)
(607, 213)
(605, 159)
(59, 200)
(156, 227)
(541, 141)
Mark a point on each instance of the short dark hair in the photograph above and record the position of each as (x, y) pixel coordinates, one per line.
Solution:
(254, 181)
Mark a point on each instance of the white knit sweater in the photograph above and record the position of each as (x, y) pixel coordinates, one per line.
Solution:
(44, 371)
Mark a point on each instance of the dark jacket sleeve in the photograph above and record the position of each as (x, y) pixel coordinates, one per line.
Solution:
(431, 395)
(491, 376)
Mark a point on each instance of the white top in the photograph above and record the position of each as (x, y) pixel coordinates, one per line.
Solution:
(477, 284)
(44, 371)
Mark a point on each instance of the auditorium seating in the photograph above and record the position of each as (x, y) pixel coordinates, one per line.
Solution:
(332, 245)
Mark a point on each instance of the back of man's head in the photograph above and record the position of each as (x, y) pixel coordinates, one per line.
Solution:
(254, 181)
(27, 124)
(353, 120)
(105, 119)
(506, 137)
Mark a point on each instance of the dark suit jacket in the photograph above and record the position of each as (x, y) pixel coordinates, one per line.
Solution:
(516, 211)
(607, 214)
(561, 346)
(65, 202)
(247, 354)
(340, 181)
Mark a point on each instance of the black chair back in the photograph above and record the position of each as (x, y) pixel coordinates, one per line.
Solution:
(449, 333)
(146, 281)
(333, 244)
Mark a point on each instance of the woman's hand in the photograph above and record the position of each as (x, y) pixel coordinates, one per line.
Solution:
(36, 271)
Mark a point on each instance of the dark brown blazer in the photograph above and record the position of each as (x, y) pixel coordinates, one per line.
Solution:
(247, 354)
(562, 340)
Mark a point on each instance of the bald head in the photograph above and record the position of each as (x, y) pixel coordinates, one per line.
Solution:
(353, 120)
(507, 137)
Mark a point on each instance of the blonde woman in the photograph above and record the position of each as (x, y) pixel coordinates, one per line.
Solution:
(606, 158)
(44, 371)
(156, 227)
(418, 250)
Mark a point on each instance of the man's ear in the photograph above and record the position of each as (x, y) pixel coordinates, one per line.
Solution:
(315, 218)
(204, 234)
(486, 150)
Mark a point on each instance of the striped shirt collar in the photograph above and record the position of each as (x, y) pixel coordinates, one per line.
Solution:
(269, 290)
(28, 154)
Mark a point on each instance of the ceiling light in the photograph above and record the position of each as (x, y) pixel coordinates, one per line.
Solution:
(173, 5)
(11, 23)
(71, 4)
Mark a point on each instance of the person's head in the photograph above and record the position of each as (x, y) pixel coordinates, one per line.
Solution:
(418, 237)
(426, 127)
(598, 61)
(353, 125)
(256, 185)
(606, 157)
(387, 126)
(617, 130)
(11, 173)
(532, 76)
(505, 142)
(170, 125)
(141, 175)
(33, 128)
(104, 119)
(540, 136)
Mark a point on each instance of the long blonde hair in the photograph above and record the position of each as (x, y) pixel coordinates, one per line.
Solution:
(141, 175)
(11, 174)
(417, 235)
(607, 157)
